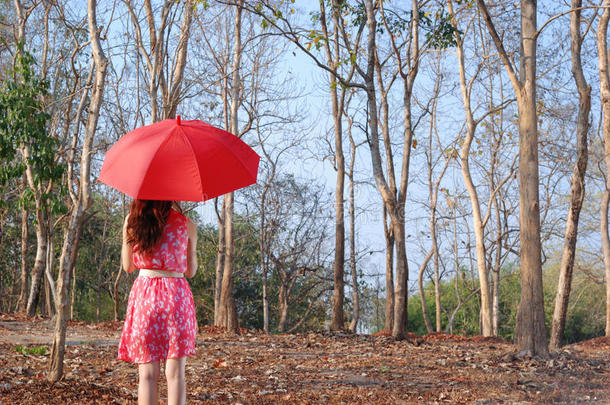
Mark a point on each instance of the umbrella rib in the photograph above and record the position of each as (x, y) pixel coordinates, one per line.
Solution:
(197, 161)
(151, 160)
(238, 160)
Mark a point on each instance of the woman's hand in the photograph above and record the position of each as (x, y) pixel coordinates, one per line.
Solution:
(127, 251)
(191, 254)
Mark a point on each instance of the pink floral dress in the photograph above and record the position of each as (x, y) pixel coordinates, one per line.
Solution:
(160, 322)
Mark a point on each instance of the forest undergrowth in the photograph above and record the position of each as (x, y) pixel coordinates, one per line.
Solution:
(335, 368)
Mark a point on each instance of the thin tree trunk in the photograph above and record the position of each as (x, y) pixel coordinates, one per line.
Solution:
(115, 293)
(228, 311)
(422, 291)
(23, 277)
(332, 56)
(577, 193)
(352, 239)
(496, 272)
(73, 295)
(220, 255)
(39, 261)
(72, 233)
(227, 314)
(477, 222)
(389, 272)
(172, 97)
(394, 205)
(604, 78)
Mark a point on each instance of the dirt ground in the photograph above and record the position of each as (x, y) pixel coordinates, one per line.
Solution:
(254, 368)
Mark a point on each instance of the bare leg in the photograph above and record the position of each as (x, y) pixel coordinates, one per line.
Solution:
(176, 386)
(147, 386)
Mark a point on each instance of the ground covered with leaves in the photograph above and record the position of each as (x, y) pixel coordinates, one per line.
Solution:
(254, 368)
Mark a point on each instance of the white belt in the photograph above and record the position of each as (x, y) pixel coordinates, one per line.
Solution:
(159, 273)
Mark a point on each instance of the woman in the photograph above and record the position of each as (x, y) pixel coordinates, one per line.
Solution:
(160, 322)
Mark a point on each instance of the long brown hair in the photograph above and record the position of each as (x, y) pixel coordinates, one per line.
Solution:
(147, 218)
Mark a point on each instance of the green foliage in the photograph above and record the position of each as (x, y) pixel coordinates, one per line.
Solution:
(585, 318)
(35, 350)
(23, 126)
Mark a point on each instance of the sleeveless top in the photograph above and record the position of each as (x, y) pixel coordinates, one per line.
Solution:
(170, 253)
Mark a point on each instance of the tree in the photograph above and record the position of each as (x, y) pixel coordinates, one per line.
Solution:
(28, 150)
(157, 58)
(604, 84)
(577, 192)
(530, 334)
(227, 315)
(479, 220)
(80, 198)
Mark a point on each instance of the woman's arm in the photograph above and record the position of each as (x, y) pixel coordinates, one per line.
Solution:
(127, 251)
(191, 258)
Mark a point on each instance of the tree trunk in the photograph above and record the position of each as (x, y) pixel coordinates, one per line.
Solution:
(332, 56)
(23, 277)
(72, 233)
(227, 314)
(39, 261)
(530, 331)
(402, 278)
(352, 241)
(422, 291)
(220, 255)
(115, 293)
(389, 272)
(337, 320)
(577, 193)
(604, 78)
(496, 272)
(283, 307)
(172, 96)
(228, 311)
(392, 203)
(477, 222)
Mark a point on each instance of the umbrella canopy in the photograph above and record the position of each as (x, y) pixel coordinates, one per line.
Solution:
(179, 161)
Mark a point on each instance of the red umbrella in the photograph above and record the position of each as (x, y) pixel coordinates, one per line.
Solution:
(180, 161)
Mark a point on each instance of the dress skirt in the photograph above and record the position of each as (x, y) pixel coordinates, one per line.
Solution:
(160, 322)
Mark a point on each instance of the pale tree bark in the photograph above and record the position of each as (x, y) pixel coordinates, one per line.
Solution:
(495, 275)
(352, 230)
(422, 291)
(477, 222)
(604, 84)
(23, 276)
(332, 56)
(220, 257)
(395, 203)
(172, 96)
(530, 331)
(266, 228)
(392, 202)
(577, 191)
(157, 57)
(81, 203)
(389, 272)
(41, 242)
(228, 311)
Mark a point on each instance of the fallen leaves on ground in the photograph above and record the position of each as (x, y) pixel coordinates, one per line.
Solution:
(335, 368)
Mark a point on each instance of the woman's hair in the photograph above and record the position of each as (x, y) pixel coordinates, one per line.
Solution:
(147, 218)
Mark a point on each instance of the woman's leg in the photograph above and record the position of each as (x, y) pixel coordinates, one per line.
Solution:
(147, 386)
(176, 386)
